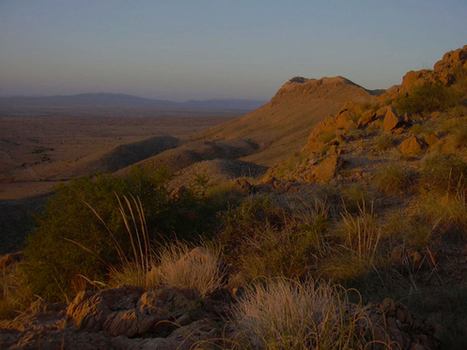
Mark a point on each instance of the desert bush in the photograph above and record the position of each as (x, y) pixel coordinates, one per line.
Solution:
(458, 111)
(72, 238)
(394, 180)
(294, 163)
(370, 105)
(353, 197)
(375, 127)
(404, 230)
(426, 98)
(460, 75)
(443, 173)
(385, 142)
(262, 238)
(284, 314)
(327, 136)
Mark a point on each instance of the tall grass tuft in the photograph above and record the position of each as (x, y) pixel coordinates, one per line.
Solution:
(285, 314)
(182, 266)
(15, 295)
(363, 235)
(134, 264)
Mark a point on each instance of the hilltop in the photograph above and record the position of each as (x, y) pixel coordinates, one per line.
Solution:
(281, 127)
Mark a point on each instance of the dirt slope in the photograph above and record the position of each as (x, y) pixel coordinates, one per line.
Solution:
(282, 126)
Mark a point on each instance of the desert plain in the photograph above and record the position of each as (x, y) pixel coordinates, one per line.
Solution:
(41, 147)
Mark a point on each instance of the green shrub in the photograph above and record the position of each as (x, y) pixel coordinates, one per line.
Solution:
(71, 241)
(426, 98)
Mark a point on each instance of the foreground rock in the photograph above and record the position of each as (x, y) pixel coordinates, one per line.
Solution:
(169, 318)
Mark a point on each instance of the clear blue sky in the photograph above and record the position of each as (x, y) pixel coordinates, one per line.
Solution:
(202, 49)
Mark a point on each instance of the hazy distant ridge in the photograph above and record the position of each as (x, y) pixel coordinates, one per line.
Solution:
(123, 100)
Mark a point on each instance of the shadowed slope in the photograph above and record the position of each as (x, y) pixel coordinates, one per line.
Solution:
(197, 151)
(117, 158)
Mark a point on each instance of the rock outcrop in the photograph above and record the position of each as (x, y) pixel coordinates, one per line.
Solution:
(171, 319)
(444, 71)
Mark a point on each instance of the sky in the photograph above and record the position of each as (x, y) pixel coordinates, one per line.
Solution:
(202, 49)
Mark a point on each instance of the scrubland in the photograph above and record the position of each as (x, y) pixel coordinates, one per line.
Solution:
(356, 241)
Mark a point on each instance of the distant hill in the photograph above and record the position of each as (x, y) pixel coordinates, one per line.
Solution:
(282, 126)
(123, 100)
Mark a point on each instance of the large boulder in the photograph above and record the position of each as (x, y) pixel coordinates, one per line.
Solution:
(392, 323)
(391, 119)
(128, 311)
(412, 146)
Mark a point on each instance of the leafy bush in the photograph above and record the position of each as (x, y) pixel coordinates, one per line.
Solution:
(427, 97)
(72, 242)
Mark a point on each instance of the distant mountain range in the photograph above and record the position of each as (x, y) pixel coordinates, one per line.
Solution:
(123, 100)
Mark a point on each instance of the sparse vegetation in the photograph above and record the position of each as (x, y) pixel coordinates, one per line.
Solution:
(426, 98)
(385, 142)
(394, 180)
(443, 173)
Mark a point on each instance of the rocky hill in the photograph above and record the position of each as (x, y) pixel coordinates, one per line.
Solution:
(406, 120)
(281, 127)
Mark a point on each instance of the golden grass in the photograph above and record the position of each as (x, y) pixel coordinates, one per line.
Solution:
(15, 296)
(285, 314)
(182, 266)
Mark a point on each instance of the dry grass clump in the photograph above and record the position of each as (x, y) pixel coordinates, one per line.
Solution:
(359, 245)
(443, 173)
(362, 233)
(15, 296)
(448, 213)
(177, 265)
(394, 180)
(285, 314)
(181, 266)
